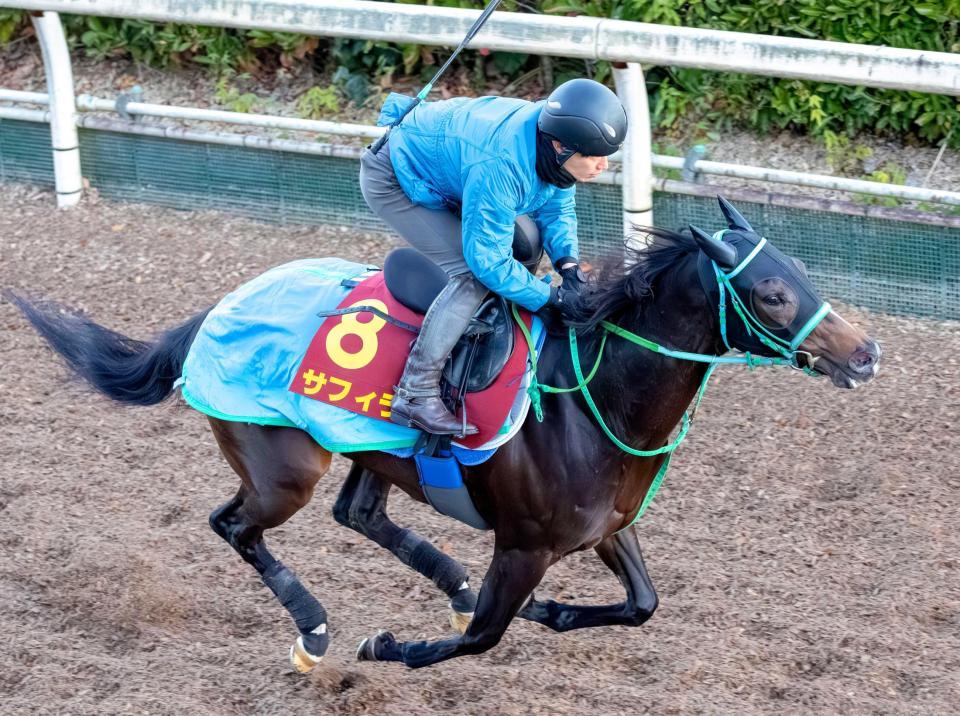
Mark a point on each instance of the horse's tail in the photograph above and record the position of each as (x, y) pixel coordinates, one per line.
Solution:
(121, 368)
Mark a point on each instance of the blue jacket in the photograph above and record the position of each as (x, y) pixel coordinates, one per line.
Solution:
(481, 154)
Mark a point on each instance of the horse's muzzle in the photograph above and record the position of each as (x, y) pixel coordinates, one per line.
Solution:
(865, 361)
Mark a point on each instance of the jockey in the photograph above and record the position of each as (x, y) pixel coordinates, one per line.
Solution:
(486, 160)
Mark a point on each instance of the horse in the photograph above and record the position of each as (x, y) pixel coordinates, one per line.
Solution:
(562, 485)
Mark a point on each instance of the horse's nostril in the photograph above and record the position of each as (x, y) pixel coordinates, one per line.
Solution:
(863, 361)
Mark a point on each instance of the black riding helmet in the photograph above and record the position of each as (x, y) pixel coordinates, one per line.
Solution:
(584, 116)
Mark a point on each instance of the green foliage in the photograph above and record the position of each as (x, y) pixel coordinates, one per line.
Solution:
(932, 208)
(161, 45)
(319, 102)
(510, 63)
(230, 97)
(841, 156)
(12, 23)
(765, 103)
(371, 58)
(147, 42)
(289, 46)
(889, 173)
(222, 50)
(353, 85)
(103, 38)
(613, 9)
(680, 97)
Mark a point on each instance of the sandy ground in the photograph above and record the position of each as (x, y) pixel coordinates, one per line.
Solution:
(804, 546)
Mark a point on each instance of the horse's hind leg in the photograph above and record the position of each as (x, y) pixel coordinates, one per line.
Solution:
(361, 506)
(621, 553)
(279, 468)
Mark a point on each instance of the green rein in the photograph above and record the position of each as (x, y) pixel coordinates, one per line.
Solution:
(536, 388)
(788, 351)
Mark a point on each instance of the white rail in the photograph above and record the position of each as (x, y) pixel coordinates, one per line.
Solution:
(586, 37)
(637, 183)
(86, 102)
(63, 109)
(637, 197)
(614, 177)
(820, 181)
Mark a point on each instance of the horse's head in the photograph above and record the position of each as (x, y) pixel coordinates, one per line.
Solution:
(769, 306)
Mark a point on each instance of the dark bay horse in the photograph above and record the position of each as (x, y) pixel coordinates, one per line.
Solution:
(560, 485)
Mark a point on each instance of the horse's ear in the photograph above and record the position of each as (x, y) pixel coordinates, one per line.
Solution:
(724, 254)
(734, 218)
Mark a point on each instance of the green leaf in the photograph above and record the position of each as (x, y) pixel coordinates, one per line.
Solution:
(509, 63)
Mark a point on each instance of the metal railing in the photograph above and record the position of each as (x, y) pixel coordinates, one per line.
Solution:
(584, 37)
(87, 104)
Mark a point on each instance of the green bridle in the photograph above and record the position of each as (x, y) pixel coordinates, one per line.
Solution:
(788, 351)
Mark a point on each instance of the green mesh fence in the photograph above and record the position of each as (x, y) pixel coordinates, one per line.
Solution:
(892, 266)
(25, 152)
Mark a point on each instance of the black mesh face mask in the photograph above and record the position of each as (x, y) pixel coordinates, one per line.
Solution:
(550, 163)
(767, 282)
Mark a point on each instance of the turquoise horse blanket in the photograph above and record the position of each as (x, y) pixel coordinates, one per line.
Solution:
(247, 361)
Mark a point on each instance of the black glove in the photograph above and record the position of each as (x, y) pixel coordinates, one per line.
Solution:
(572, 276)
(569, 301)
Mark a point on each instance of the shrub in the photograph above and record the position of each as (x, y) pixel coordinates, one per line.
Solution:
(679, 96)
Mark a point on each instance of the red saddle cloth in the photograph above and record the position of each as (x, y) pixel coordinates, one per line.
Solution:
(355, 360)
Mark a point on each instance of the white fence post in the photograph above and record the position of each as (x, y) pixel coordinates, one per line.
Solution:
(637, 149)
(63, 108)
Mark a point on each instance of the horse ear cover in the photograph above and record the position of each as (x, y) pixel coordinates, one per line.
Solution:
(734, 218)
(724, 254)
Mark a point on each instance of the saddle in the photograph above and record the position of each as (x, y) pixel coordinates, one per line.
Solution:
(486, 345)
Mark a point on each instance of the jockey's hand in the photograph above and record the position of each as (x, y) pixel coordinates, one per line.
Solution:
(569, 270)
(568, 301)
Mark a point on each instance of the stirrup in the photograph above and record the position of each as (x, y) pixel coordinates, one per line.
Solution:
(411, 419)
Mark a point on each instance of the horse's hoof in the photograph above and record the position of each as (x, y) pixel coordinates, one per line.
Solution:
(382, 647)
(302, 660)
(365, 651)
(462, 606)
(460, 620)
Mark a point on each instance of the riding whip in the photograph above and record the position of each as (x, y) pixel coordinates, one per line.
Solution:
(474, 29)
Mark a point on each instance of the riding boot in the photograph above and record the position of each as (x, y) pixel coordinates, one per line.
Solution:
(417, 402)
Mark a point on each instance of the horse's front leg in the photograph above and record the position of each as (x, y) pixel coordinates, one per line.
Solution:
(621, 553)
(512, 575)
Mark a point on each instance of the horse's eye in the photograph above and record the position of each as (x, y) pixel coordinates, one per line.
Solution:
(774, 299)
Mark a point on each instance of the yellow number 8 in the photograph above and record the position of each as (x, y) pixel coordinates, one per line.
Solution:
(350, 326)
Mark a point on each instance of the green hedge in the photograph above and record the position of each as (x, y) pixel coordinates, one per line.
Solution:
(716, 101)
(820, 108)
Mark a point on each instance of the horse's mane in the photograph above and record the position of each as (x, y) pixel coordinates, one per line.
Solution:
(627, 279)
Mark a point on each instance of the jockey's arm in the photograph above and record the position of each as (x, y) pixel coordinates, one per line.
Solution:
(490, 197)
(557, 221)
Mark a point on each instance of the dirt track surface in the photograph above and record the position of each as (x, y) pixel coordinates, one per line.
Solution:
(805, 546)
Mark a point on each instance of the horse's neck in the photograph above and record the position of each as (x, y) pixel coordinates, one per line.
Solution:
(641, 394)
